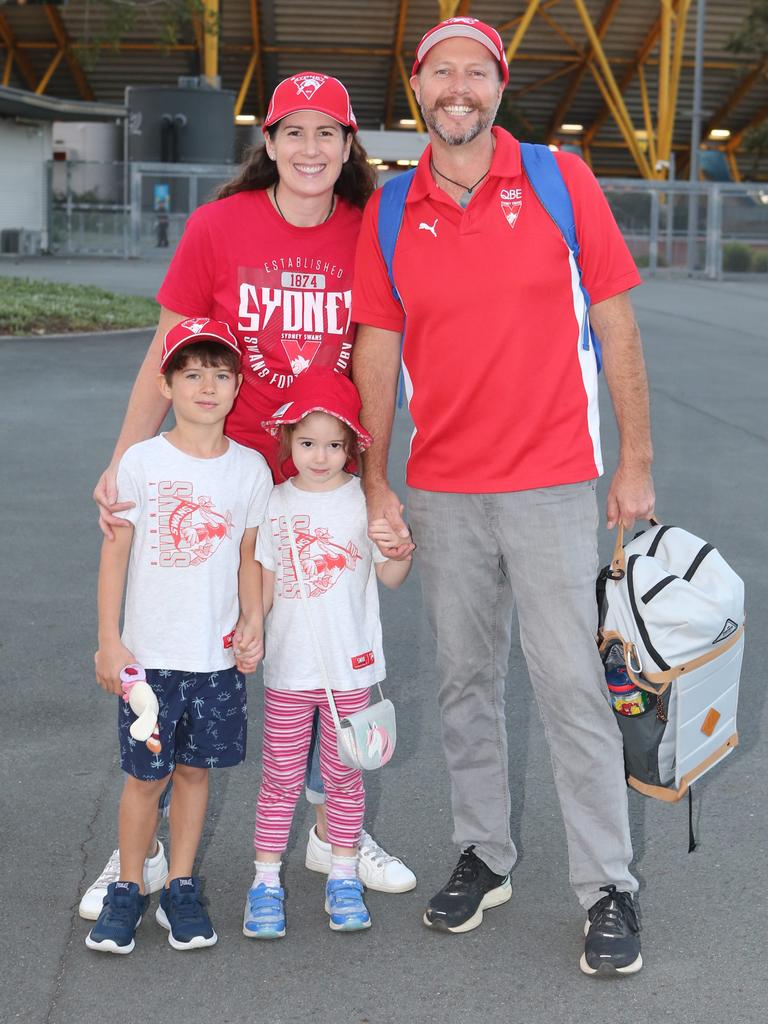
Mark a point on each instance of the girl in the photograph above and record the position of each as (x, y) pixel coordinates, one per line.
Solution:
(324, 507)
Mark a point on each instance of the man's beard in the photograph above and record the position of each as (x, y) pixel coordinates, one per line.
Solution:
(484, 121)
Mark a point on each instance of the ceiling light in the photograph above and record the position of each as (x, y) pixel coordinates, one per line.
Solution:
(245, 119)
(403, 163)
(720, 133)
(375, 160)
(383, 167)
(407, 122)
(573, 128)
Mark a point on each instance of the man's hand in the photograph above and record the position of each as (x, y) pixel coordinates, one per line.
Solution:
(105, 496)
(386, 526)
(630, 497)
(248, 643)
(110, 660)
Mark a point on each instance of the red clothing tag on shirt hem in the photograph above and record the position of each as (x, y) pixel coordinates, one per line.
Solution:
(228, 639)
(363, 660)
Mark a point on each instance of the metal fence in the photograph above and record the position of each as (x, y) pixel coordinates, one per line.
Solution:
(708, 229)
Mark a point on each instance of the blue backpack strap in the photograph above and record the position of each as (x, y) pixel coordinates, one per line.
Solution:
(391, 209)
(543, 173)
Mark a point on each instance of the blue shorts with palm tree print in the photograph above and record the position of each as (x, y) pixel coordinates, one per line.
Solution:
(202, 723)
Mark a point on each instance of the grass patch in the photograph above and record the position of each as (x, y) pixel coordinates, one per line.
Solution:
(41, 307)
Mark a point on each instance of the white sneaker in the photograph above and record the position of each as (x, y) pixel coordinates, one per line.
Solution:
(376, 868)
(155, 874)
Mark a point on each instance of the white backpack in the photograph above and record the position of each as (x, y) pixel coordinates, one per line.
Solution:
(672, 612)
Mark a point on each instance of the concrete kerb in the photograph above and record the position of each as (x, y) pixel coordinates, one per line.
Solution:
(112, 335)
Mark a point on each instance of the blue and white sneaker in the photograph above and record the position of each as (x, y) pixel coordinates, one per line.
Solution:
(120, 916)
(344, 902)
(264, 916)
(182, 911)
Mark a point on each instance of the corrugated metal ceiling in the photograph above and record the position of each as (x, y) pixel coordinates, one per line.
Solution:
(355, 40)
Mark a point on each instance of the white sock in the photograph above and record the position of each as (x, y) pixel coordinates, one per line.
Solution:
(268, 872)
(343, 867)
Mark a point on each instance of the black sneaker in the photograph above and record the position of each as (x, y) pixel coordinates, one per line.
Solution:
(471, 889)
(612, 934)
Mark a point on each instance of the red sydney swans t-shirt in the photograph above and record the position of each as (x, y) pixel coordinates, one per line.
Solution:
(285, 291)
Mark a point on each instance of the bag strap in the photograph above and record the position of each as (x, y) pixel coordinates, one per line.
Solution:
(302, 579)
(391, 210)
(618, 569)
(546, 179)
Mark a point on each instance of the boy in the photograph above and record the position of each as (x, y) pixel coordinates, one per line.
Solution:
(198, 499)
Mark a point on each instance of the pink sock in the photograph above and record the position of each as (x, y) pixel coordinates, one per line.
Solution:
(343, 867)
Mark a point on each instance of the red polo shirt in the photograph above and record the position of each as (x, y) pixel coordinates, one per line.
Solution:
(502, 395)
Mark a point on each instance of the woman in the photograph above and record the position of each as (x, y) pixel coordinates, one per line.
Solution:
(273, 257)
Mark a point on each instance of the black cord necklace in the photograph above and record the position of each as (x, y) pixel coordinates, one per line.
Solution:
(277, 206)
(468, 189)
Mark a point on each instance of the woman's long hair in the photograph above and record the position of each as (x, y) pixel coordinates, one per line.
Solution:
(356, 183)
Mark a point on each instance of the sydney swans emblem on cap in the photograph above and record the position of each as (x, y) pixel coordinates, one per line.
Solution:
(307, 85)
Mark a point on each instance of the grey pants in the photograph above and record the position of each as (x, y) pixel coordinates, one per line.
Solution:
(479, 555)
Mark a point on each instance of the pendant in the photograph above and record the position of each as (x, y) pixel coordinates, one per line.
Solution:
(464, 198)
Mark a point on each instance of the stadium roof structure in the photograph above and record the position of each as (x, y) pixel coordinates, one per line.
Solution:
(614, 77)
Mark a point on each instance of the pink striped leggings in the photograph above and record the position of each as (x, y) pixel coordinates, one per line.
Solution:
(288, 718)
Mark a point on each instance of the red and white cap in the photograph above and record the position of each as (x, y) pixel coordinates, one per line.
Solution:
(200, 328)
(309, 90)
(321, 391)
(467, 28)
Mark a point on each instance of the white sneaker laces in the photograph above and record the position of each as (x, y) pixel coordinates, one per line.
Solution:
(111, 872)
(371, 851)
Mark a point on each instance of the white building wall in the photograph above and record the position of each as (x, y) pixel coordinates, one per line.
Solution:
(24, 150)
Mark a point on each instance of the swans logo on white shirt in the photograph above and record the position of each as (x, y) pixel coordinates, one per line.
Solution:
(323, 559)
(189, 529)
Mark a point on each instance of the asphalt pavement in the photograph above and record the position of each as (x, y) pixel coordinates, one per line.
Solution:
(704, 914)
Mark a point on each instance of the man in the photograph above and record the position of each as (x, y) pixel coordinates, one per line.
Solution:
(501, 475)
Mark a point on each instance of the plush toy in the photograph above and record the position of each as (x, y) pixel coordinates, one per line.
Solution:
(140, 696)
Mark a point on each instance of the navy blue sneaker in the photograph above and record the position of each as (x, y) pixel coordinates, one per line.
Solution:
(182, 911)
(120, 916)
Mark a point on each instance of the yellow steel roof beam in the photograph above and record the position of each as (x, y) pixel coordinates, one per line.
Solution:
(42, 85)
(397, 46)
(645, 48)
(15, 54)
(516, 21)
(650, 130)
(522, 28)
(606, 17)
(620, 112)
(211, 28)
(65, 45)
(666, 123)
(415, 112)
(254, 63)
